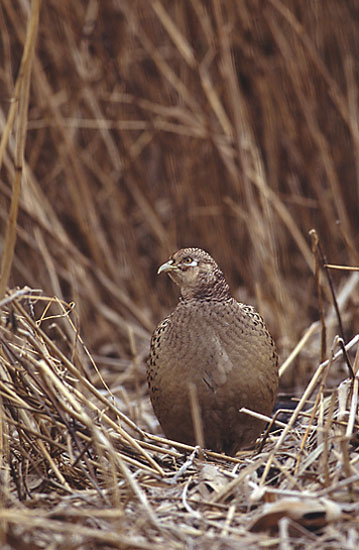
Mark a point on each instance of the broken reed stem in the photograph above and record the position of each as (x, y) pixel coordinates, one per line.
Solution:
(320, 260)
(323, 333)
(323, 262)
(346, 357)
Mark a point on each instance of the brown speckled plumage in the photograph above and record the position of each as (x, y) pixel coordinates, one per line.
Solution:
(219, 345)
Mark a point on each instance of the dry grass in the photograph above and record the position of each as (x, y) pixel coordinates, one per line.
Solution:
(233, 126)
(80, 468)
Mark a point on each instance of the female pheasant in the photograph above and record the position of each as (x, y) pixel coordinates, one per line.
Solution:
(220, 346)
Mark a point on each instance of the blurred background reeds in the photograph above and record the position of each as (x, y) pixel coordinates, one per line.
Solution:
(152, 125)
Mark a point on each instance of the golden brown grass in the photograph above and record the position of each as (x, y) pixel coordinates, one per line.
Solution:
(80, 464)
(232, 126)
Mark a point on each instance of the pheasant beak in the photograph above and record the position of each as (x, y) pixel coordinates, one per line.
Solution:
(167, 266)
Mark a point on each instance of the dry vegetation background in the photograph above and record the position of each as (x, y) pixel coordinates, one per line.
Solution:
(229, 125)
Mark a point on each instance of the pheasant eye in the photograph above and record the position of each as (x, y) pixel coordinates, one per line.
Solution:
(189, 262)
